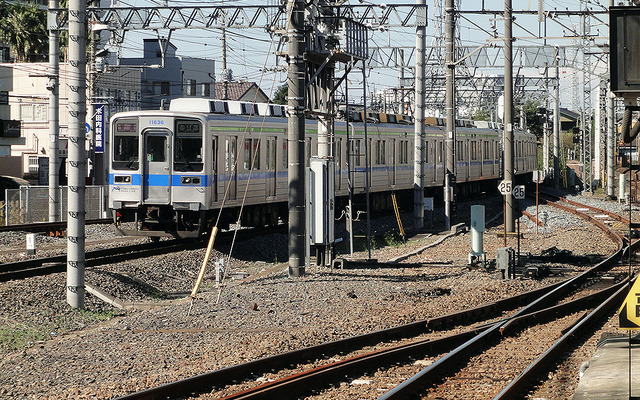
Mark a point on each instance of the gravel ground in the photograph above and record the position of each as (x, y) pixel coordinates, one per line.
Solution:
(52, 352)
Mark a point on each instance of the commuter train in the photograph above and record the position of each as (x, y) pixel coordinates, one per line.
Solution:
(173, 171)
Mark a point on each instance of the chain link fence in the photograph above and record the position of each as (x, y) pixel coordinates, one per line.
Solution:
(30, 204)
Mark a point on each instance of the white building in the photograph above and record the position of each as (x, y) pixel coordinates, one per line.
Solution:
(28, 99)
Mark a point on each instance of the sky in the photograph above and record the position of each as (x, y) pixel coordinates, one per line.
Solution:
(251, 51)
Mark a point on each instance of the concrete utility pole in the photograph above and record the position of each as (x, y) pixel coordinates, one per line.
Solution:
(611, 135)
(295, 139)
(54, 118)
(77, 152)
(418, 177)
(556, 128)
(449, 176)
(546, 130)
(508, 116)
(611, 145)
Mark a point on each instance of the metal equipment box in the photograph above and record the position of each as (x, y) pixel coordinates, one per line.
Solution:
(625, 50)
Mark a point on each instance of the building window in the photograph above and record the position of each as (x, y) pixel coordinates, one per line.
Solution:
(206, 90)
(33, 164)
(191, 87)
(161, 88)
(33, 112)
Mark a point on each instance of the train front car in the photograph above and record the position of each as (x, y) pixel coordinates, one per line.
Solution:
(157, 175)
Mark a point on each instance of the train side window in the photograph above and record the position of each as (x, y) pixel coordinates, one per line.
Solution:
(380, 152)
(285, 155)
(355, 152)
(404, 152)
(251, 154)
(270, 160)
(485, 150)
(426, 151)
(459, 150)
(473, 150)
(231, 151)
(214, 153)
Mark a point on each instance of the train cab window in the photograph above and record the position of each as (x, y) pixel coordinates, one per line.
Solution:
(188, 146)
(125, 145)
(251, 154)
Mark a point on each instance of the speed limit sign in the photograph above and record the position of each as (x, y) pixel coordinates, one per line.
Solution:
(505, 187)
(518, 192)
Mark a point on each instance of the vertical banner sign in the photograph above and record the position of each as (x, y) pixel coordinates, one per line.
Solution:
(98, 125)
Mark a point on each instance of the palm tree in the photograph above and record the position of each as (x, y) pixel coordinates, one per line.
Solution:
(24, 28)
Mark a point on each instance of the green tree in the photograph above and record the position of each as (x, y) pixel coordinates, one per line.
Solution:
(281, 94)
(24, 28)
(534, 114)
(482, 114)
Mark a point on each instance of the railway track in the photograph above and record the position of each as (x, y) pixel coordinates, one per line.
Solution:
(488, 331)
(49, 226)
(47, 265)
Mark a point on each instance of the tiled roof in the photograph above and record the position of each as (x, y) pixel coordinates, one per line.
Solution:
(235, 90)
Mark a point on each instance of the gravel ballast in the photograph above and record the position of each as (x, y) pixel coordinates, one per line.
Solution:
(50, 351)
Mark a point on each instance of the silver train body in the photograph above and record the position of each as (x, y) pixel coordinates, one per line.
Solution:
(171, 172)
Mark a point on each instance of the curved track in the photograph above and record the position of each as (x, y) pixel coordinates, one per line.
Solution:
(453, 350)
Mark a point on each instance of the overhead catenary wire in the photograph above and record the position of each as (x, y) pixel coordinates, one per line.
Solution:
(225, 197)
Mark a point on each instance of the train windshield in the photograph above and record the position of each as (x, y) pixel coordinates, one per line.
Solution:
(125, 145)
(188, 146)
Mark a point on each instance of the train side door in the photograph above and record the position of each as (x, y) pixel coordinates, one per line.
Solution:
(156, 182)
(338, 164)
(214, 168)
(231, 167)
(270, 165)
(394, 162)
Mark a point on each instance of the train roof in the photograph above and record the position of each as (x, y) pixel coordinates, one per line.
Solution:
(238, 111)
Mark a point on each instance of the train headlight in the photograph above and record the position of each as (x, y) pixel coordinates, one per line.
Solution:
(122, 179)
(190, 180)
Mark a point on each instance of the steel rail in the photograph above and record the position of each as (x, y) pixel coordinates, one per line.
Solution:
(228, 375)
(94, 258)
(225, 376)
(49, 226)
(525, 381)
(440, 368)
(48, 265)
(295, 385)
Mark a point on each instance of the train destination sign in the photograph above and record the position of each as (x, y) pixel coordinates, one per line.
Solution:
(629, 314)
